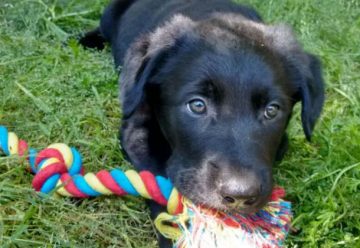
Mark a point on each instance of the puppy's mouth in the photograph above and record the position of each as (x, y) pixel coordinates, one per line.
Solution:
(217, 202)
(197, 190)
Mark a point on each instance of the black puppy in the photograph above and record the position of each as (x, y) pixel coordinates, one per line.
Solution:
(207, 91)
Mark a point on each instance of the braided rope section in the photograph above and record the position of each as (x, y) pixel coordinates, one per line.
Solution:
(59, 168)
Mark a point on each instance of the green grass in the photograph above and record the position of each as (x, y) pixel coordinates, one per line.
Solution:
(53, 92)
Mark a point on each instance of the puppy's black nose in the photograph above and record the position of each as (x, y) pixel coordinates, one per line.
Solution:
(241, 193)
(239, 199)
(241, 187)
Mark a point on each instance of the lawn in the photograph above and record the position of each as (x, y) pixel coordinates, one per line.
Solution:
(52, 90)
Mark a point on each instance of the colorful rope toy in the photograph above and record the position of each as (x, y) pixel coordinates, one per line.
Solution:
(58, 168)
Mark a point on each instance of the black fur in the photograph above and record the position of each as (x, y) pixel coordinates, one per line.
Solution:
(172, 52)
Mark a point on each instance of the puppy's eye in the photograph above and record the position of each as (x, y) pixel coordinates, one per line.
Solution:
(197, 106)
(271, 111)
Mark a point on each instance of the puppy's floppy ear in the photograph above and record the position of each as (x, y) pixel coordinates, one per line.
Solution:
(141, 136)
(145, 57)
(312, 96)
(133, 93)
(304, 71)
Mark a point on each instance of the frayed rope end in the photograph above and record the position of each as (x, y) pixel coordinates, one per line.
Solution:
(205, 228)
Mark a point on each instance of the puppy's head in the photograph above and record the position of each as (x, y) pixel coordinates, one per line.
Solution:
(207, 104)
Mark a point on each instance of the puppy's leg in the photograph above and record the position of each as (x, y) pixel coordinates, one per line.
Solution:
(108, 25)
(93, 39)
(155, 210)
